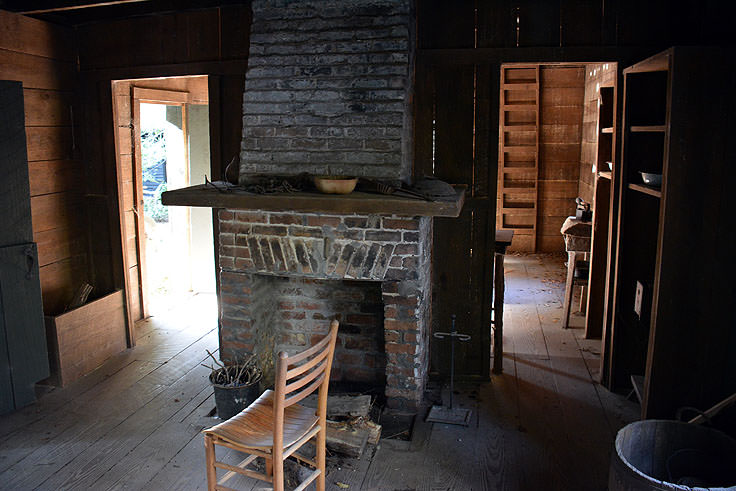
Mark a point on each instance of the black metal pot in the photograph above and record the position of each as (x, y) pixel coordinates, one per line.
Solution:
(230, 400)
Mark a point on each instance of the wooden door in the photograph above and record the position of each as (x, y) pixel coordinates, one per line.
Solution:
(23, 356)
(128, 99)
(452, 143)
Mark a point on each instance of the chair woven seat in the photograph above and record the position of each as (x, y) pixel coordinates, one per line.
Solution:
(253, 426)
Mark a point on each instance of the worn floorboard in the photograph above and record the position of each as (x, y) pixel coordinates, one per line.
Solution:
(135, 422)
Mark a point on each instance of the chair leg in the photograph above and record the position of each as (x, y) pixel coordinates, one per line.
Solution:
(209, 451)
(269, 467)
(277, 466)
(321, 440)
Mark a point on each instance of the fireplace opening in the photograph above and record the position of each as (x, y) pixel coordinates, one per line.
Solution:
(289, 314)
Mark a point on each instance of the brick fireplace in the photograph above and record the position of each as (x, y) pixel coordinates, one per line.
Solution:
(284, 276)
(328, 91)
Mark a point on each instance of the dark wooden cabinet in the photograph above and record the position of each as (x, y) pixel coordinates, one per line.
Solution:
(675, 241)
(23, 355)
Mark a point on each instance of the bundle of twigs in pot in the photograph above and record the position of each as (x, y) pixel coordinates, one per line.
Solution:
(235, 384)
(239, 374)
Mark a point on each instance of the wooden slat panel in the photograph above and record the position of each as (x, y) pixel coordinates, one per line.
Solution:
(454, 124)
(139, 41)
(125, 140)
(581, 22)
(201, 38)
(564, 96)
(561, 76)
(128, 195)
(521, 243)
(54, 176)
(56, 210)
(87, 336)
(557, 207)
(126, 167)
(560, 114)
(557, 171)
(15, 227)
(562, 133)
(550, 225)
(36, 72)
(130, 226)
(485, 160)
(557, 189)
(47, 107)
(49, 143)
(35, 37)
(538, 22)
(135, 293)
(131, 250)
(59, 244)
(59, 281)
(444, 24)
(550, 243)
(235, 22)
(560, 152)
(124, 112)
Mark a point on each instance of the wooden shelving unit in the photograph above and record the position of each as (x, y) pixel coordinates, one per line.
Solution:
(518, 167)
(678, 334)
(598, 281)
(642, 188)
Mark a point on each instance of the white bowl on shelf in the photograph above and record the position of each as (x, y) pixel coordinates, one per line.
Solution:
(651, 179)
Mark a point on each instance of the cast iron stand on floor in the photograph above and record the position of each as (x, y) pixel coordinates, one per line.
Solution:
(450, 415)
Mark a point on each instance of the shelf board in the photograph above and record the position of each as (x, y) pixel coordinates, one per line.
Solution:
(607, 131)
(520, 127)
(520, 86)
(654, 128)
(656, 192)
(520, 106)
(314, 202)
(605, 174)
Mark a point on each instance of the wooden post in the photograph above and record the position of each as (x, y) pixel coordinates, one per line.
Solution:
(498, 292)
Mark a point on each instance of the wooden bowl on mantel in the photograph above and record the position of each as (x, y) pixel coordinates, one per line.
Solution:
(335, 184)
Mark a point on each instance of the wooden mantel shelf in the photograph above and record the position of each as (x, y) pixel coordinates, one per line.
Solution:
(312, 202)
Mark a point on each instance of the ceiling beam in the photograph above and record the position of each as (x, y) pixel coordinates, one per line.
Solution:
(78, 7)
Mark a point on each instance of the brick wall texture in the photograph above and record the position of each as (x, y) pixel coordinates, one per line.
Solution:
(327, 89)
(285, 276)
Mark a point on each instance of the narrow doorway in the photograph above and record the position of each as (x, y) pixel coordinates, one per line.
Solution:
(557, 142)
(168, 251)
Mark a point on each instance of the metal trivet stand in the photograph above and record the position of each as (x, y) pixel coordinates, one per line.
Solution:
(450, 415)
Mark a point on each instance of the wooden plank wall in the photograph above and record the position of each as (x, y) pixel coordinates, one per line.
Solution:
(211, 42)
(561, 92)
(596, 75)
(42, 57)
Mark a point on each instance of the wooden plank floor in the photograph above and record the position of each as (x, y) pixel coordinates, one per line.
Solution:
(135, 423)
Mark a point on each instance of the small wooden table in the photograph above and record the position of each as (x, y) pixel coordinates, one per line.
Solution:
(503, 240)
(577, 244)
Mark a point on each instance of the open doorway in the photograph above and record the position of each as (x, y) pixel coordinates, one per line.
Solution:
(163, 143)
(557, 142)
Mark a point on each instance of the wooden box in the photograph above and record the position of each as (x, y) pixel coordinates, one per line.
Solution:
(82, 339)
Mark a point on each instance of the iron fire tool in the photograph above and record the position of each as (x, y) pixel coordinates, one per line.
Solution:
(450, 415)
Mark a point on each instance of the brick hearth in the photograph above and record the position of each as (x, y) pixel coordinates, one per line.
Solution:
(285, 276)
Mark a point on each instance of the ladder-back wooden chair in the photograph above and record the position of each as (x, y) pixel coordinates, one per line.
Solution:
(275, 425)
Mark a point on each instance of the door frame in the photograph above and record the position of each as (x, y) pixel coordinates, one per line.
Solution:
(151, 96)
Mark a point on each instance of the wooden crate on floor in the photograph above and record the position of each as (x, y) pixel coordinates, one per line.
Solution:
(83, 338)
